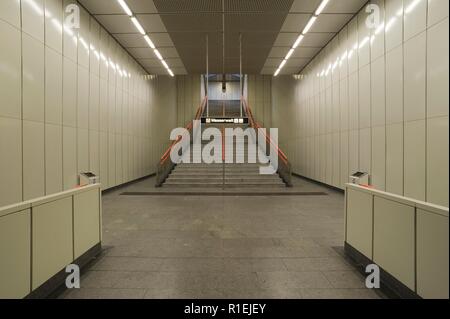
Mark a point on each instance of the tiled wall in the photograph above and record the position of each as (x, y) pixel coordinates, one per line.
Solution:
(259, 96)
(71, 100)
(375, 100)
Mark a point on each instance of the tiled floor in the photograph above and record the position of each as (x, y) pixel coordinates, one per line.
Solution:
(222, 247)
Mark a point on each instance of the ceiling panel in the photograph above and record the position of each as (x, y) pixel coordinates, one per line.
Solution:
(295, 23)
(330, 22)
(179, 27)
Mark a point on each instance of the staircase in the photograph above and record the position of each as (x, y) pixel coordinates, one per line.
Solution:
(223, 175)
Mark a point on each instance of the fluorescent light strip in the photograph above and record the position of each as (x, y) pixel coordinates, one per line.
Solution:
(125, 7)
(138, 25)
(291, 51)
(170, 72)
(158, 55)
(297, 42)
(300, 38)
(165, 64)
(321, 7)
(310, 24)
(149, 42)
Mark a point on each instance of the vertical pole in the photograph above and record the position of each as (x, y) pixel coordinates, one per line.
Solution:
(207, 75)
(240, 70)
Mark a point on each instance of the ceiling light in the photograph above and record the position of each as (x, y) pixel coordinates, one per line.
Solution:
(149, 41)
(321, 7)
(282, 64)
(170, 72)
(277, 72)
(289, 54)
(297, 42)
(125, 7)
(165, 64)
(138, 25)
(310, 24)
(158, 54)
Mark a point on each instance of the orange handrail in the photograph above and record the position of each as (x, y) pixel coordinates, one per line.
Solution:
(256, 125)
(198, 115)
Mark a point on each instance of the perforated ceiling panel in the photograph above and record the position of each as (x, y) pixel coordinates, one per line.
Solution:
(179, 29)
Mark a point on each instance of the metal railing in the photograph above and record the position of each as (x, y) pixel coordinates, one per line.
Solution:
(284, 167)
(166, 165)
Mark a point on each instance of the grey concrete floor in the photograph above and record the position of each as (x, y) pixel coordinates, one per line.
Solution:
(186, 246)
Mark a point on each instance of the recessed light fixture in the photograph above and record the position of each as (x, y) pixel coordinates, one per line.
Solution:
(125, 7)
(300, 38)
(141, 30)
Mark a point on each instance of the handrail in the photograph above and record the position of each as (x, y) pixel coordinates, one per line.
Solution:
(256, 125)
(198, 115)
(284, 172)
(164, 166)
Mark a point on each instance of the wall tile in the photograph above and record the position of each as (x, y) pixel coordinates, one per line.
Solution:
(437, 161)
(394, 158)
(437, 11)
(33, 160)
(10, 12)
(33, 18)
(10, 71)
(378, 92)
(437, 70)
(415, 78)
(378, 178)
(394, 86)
(69, 93)
(53, 159)
(415, 159)
(53, 86)
(10, 161)
(70, 173)
(415, 17)
(53, 24)
(394, 24)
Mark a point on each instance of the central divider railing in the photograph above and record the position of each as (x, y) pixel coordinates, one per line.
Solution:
(166, 165)
(284, 167)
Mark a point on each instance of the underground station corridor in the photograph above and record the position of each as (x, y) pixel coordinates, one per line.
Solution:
(224, 150)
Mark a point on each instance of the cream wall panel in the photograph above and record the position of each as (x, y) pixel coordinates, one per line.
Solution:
(83, 98)
(359, 221)
(10, 71)
(394, 237)
(33, 79)
(394, 159)
(70, 38)
(33, 18)
(82, 150)
(33, 160)
(415, 77)
(53, 24)
(394, 86)
(10, 12)
(83, 39)
(53, 87)
(437, 10)
(378, 178)
(432, 255)
(394, 24)
(381, 105)
(94, 102)
(437, 161)
(378, 92)
(415, 156)
(86, 221)
(364, 97)
(49, 256)
(70, 157)
(437, 70)
(53, 159)
(69, 93)
(94, 152)
(10, 161)
(15, 230)
(415, 17)
(104, 159)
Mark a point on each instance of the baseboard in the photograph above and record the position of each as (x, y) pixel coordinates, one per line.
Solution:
(56, 284)
(319, 183)
(390, 286)
(114, 188)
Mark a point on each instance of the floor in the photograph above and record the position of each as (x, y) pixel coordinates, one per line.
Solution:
(186, 246)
